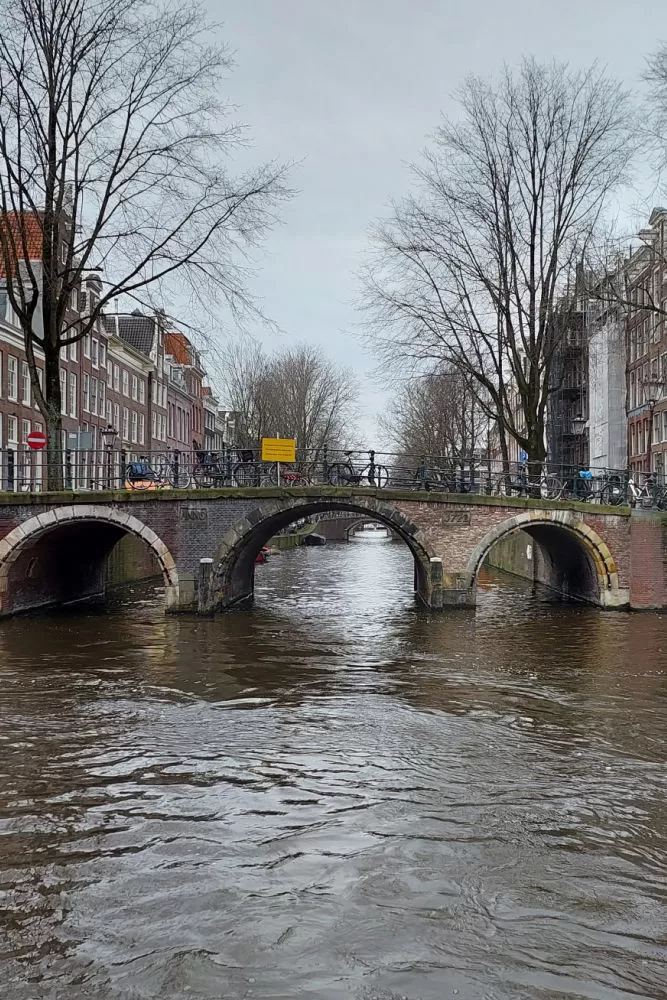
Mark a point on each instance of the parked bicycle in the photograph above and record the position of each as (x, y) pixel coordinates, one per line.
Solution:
(161, 473)
(435, 478)
(212, 469)
(517, 482)
(347, 474)
(607, 488)
(647, 494)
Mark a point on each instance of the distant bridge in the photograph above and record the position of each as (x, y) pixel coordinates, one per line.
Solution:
(54, 547)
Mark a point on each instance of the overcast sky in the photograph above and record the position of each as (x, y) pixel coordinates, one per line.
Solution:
(352, 88)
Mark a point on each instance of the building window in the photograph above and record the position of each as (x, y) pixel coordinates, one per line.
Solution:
(86, 346)
(102, 389)
(72, 394)
(73, 351)
(656, 428)
(116, 417)
(103, 354)
(154, 426)
(110, 376)
(12, 430)
(63, 391)
(96, 352)
(142, 391)
(116, 378)
(134, 426)
(25, 430)
(25, 383)
(0, 386)
(109, 413)
(664, 425)
(93, 395)
(142, 428)
(126, 383)
(126, 424)
(86, 392)
(135, 388)
(74, 299)
(12, 368)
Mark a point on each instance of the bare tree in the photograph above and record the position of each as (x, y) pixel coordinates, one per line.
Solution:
(295, 392)
(436, 415)
(113, 155)
(473, 270)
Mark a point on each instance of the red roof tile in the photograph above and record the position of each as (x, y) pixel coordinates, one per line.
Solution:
(178, 346)
(32, 224)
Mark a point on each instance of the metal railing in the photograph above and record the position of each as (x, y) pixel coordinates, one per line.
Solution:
(24, 471)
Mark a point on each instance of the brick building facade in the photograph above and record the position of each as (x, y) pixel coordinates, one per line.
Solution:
(646, 350)
(119, 376)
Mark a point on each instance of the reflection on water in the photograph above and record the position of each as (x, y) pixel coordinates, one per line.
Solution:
(334, 794)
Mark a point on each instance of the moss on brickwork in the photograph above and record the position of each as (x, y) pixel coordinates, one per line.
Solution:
(312, 493)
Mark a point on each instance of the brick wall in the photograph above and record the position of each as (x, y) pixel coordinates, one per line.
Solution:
(647, 560)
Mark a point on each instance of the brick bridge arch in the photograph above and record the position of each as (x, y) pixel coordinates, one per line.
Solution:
(560, 525)
(235, 557)
(23, 538)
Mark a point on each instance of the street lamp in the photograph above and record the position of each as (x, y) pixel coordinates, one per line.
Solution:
(109, 439)
(653, 389)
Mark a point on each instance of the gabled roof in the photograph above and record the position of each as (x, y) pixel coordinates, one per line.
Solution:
(138, 331)
(178, 346)
(32, 229)
(134, 328)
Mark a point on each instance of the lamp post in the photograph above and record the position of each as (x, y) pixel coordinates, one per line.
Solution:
(651, 394)
(109, 438)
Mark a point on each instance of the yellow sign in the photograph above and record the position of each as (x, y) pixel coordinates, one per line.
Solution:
(278, 450)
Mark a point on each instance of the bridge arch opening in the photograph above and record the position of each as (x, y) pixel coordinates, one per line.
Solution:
(558, 552)
(235, 559)
(61, 557)
(359, 526)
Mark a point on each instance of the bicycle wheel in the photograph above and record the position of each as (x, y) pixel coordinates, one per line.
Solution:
(551, 487)
(612, 494)
(377, 475)
(203, 476)
(505, 486)
(340, 474)
(661, 499)
(245, 474)
(177, 476)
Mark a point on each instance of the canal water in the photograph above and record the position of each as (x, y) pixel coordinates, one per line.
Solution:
(334, 794)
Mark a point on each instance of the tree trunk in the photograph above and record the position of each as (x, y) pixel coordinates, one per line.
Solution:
(504, 451)
(536, 455)
(54, 423)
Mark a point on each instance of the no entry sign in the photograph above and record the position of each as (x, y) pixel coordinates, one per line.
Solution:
(36, 440)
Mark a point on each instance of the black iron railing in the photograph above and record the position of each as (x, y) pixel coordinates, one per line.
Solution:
(22, 470)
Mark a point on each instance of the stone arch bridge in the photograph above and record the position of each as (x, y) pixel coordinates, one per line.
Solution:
(54, 547)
